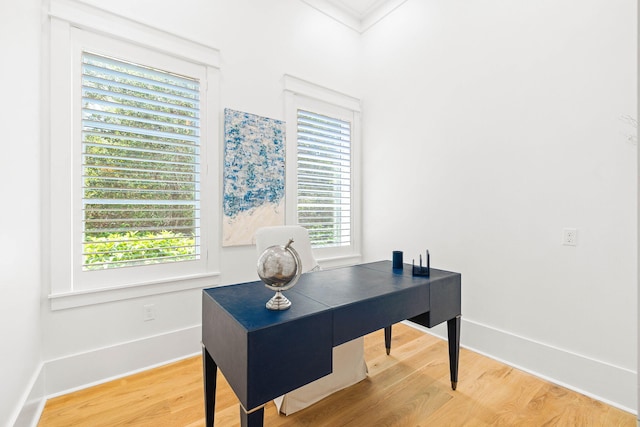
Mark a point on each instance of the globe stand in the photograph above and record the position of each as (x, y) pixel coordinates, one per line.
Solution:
(278, 302)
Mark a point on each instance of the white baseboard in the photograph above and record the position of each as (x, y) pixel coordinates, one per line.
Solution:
(608, 383)
(614, 385)
(78, 371)
(33, 400)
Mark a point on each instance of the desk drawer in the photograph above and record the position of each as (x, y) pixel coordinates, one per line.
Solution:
(362, 317)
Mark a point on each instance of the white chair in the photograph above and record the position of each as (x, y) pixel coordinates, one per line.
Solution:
(349, 366)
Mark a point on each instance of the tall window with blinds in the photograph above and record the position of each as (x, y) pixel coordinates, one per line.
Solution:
(324, 178)
(140, 165)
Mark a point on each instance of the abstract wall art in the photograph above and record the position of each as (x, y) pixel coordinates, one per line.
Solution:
(253, 175)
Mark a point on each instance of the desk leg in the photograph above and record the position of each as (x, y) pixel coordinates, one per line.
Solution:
(453, 332)
(210, 370)
(253, 418)
(387, 339)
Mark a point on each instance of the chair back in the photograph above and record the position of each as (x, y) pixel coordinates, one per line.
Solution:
(280, 235)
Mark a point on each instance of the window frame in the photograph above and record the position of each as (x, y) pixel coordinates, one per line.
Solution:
(301, 94)
(74, 28)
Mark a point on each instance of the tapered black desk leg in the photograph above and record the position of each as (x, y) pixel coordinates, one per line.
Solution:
(210, 370)
(453, 332)
(254, 418)
(387, 339)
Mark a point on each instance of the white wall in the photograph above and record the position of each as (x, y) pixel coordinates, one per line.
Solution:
(20, 351)
(489, 126)
(258, 42)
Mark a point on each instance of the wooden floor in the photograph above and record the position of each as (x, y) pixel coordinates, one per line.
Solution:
(409, 388)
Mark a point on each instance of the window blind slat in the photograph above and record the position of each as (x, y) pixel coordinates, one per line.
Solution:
(132, 202)
(103, 116)
(142, 172)
(138, 261)
(183, 107)
(328, 140)
(320, 146)
(321, 134)
(324, 161)
(141, 145)
(319, 118)
(114, 129)
(94, 104)
(91, 158)
(308, 189)
(135, 182)
(101, 231)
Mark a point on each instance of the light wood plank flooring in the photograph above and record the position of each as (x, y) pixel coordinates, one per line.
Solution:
(409, 388)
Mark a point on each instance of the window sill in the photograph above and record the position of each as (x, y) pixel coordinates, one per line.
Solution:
(82, 298)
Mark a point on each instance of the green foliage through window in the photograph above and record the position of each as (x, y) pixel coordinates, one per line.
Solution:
(133, 248)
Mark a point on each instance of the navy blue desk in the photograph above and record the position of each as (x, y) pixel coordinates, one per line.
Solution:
(264, 354)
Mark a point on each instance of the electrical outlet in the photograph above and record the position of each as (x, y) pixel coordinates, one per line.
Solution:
(149, 312)
(569, 236)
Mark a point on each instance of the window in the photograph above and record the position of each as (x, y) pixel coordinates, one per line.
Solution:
(133, 148)
(323, 169)
(140, 165)
(324, 178)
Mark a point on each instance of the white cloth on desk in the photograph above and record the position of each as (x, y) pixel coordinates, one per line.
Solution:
(349, 366)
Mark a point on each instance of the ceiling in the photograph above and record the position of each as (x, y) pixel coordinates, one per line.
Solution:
(359, 15)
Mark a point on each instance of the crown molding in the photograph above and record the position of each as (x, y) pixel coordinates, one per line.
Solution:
(352, 20)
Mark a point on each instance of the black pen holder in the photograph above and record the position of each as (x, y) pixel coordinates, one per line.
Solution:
(421, 271)
(397, 260)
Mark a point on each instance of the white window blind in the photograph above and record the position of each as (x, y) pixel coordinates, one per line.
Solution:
(324, 178)
(140, 164)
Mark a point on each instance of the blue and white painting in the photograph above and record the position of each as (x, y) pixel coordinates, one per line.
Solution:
(254, 160)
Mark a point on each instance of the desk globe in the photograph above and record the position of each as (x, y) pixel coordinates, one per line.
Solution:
(279, 267)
